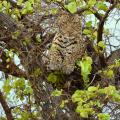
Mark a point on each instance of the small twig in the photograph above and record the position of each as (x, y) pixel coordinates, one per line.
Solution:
(92, 80)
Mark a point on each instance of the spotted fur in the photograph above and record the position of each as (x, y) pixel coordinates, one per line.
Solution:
(67, 45)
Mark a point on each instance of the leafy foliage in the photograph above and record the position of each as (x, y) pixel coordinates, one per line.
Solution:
(91, 100)
(56, 93)
(102, 116)
(86, 68)
(83, 88)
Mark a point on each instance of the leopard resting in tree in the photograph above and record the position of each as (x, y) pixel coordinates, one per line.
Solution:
(67, 45)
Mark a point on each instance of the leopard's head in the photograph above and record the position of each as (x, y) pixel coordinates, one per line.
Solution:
(69, 24)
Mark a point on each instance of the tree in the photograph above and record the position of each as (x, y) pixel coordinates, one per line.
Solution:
(52, 84)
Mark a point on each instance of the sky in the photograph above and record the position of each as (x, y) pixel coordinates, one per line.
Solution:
(113, 24)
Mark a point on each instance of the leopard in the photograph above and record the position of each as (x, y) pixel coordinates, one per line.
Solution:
(67, 45)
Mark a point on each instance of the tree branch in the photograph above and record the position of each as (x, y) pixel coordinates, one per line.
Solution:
(6, 107)
(109, 10)
(97, 15)
(102, 21)
(12, 69)
(100, 31)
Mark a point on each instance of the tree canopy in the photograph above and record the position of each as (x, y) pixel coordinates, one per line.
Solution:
(57, 60)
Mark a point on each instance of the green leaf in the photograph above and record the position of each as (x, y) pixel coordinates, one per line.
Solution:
(7, 88)
(109, 73)
(110, 90)
(28, 90)
(38, 38)
(116, 97)
(87, 32)
(59, 0)
(88, 12)
(1, 7)
(103, 116)
(91, 2)
(19, 2)
(86, 67)
(76, 97)
(56, 93)
(84, 114)
(52, 77)
(31, 1)
(72, 7)
(101, 44)
(88, 24)
(102, 6)
(63, 103)
(92, 88)
(5, 3)
(53, 11)
(37, 72)
(19, 83)
(117, 63)
(27, 8)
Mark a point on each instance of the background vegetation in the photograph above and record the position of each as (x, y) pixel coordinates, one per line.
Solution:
(29, 91)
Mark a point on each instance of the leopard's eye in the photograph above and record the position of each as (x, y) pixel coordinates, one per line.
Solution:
(60, 36)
